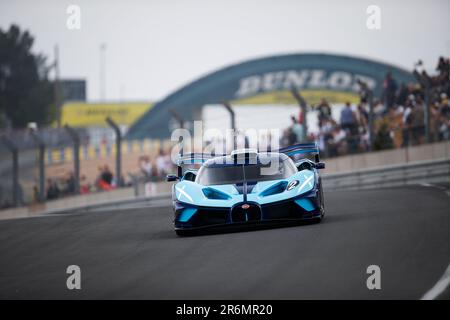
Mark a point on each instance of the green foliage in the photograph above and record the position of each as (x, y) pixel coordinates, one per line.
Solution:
(26, 94)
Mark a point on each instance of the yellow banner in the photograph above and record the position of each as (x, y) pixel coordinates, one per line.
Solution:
(311, 96)
(81, 114)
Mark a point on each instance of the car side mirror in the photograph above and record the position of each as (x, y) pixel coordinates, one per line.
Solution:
(320, 165)
(171, 177)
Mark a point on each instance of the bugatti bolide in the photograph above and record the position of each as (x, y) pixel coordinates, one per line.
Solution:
(247, 187)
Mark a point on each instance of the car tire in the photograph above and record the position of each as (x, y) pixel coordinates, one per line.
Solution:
(316, 220)
(322, 202)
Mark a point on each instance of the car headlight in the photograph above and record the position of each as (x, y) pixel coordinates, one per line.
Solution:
(292, 185)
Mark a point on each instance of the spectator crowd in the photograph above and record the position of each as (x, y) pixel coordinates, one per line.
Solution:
(156, 168)
(399, 116)
(65, 186)
(151, 169)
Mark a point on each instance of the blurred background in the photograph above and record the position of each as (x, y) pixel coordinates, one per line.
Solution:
(315, 71)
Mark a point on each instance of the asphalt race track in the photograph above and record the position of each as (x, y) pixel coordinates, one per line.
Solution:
(134, 253)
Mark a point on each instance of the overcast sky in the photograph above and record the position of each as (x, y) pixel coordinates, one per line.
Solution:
(156, 46)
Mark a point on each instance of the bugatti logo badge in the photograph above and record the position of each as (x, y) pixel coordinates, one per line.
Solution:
(245, 206)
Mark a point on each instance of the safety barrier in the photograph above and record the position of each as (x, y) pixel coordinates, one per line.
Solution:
(434, 171)
(84, 203)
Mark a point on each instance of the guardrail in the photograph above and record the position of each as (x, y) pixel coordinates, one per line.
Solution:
(86, 203)
(111, 205)
(433, 171)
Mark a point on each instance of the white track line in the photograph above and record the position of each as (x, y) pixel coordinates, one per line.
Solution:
(439, 287)
(444, 281)
(426, 185)
(447, 191)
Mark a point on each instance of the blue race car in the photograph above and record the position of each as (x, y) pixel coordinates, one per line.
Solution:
(247, 187)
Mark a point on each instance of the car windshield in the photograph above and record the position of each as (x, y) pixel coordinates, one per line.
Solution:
(269, 169)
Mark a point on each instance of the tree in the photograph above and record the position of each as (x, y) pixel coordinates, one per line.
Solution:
(26, 94)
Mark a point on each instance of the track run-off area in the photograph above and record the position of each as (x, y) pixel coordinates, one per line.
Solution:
(133, 253)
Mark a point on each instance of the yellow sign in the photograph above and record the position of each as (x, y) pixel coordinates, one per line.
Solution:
(311, 96)
(82, 114)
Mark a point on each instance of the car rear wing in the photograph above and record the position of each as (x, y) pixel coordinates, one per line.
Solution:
(193, 158)
(302, 148)
(200, 158)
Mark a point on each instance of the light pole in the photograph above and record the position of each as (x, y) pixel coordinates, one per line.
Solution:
(41, 145)
(303, 107)
(424, 81)
(102, 71)
(364, 87)
(116, 129)
(178, 118)
(56, 88)
(76, 155)
(230, 110)
(15, 168)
